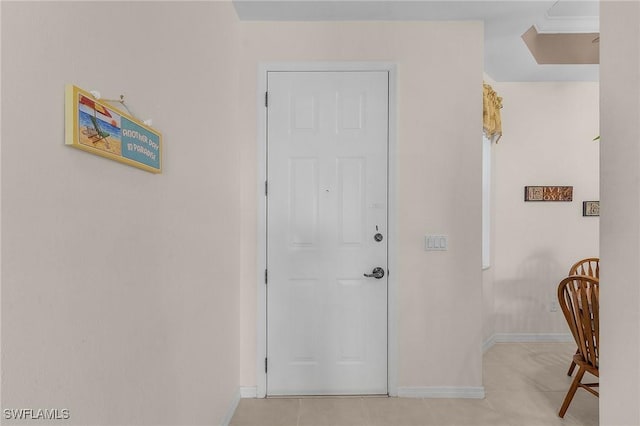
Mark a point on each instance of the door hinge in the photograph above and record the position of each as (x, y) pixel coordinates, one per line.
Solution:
(266, 188)
(266, 275)
(265, 365)
(266, 99)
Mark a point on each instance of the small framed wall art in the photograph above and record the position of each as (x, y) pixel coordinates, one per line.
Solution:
(99, 128)
(591, 208)
(548, 193)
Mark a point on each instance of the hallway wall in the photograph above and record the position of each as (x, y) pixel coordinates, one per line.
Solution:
(120, 287)
(620, 186)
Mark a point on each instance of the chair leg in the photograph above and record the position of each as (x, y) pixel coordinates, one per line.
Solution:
(571, 391)
(573, 365)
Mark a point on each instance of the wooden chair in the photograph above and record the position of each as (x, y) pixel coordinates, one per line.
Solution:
(590, 267)
(578, 296)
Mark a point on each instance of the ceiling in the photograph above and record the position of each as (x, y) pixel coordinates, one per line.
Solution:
(507, 57)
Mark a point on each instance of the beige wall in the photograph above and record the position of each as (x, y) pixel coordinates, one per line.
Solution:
(548, 131)
(119, 287)
(438, 182)
(620, 186)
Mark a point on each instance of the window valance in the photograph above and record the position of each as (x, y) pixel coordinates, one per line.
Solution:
(491, 105)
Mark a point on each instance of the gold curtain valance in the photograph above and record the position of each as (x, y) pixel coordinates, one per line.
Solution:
(491, 105)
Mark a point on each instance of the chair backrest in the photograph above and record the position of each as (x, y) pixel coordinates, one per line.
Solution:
(579, 298)
(589, 266)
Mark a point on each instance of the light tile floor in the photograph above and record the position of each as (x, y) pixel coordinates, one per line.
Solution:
(525, 384)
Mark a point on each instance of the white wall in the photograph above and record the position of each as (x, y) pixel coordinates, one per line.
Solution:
(120, 288)
(620, 186)
(439, 182)
(488, 297)
(548, 130)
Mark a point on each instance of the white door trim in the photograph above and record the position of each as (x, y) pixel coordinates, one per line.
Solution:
(263, 68)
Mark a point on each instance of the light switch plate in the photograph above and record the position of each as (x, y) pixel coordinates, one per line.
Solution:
(435, 242)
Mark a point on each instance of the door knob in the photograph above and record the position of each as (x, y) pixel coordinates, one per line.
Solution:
(377, 273)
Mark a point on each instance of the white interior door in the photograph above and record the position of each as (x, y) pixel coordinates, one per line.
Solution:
(327, 172)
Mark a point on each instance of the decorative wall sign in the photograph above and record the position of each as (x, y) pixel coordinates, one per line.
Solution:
(99, 128)
(548, 193)
(591, 208)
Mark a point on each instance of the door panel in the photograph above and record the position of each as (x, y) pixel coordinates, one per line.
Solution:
(303, 201)
(327, 144)
(351, 199)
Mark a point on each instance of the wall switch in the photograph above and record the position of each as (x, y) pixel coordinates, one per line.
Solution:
(435, 242)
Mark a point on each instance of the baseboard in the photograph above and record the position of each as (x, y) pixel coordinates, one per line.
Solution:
(232, 409)
(402, 392)
(532, 337)
(248, 392)
(441, 392)
(488, 344)
(525, 338)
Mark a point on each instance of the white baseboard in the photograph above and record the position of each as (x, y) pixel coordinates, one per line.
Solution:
(525, 338)
(488, 344)
(248, 392)
(441, 392)
(532, 337)
(232, 409)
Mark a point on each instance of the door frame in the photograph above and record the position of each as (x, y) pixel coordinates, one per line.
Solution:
(392, 300)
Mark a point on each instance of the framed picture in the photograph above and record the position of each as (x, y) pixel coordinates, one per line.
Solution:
(548, 193)
(101, 129)
(591, 208)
